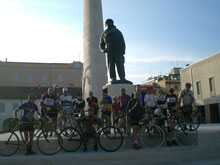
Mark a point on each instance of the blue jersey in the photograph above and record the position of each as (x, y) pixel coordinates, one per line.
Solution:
(27, 112)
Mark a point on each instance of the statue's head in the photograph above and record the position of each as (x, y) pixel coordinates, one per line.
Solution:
(109, 22)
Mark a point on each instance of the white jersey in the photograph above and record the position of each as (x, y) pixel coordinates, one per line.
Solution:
(149, 100)
(65, 102)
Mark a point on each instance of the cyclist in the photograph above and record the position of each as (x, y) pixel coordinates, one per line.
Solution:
(90, 121)
(47, 106)
(142, 95)
(27, 120)
(93, 102)
(186, 99)
(123, 100)
(79, 105)
(116, 110)
(135, 114)
(106, 102)
(65, 102)
(150, 102)
(171, 99)
(160, 101)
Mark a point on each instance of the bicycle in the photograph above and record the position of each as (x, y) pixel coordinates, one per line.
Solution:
(104, 115)
(185, 133)
(45, 144)
(110, 138)
(149, 134)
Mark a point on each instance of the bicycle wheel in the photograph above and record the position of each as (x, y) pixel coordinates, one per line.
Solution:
(185, 135)
(195, 121)
(151, 135)
(72, 139)
(9, 143)
(110, 139)
(49, 142)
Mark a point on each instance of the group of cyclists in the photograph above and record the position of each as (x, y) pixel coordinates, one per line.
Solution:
(133, 108)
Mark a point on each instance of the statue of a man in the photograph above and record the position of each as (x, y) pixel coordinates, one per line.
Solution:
(112, 43)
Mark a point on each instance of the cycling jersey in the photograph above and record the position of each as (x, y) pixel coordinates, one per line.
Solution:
(107, 102)
(78, 104)
(65, 102)
(171, 100)
(27, 112)
(160, 100)
(92, 102)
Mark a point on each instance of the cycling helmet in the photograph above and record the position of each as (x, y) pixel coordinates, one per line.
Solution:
(157, 112)
(115, 97)
(56, 86)
(50, 89)
(65, 90)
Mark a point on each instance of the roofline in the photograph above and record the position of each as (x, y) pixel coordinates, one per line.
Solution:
(40, 63)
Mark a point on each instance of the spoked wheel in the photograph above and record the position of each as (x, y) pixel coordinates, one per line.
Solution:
(195, 121)
(151, 135)
(186, 134)
(72, 139)
(49, 142)
(105, 121)
(110, 139)
(9, 144)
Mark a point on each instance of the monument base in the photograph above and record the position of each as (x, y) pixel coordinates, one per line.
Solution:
(114, 89)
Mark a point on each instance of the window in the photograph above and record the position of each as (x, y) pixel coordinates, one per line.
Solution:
(60, 78)
(30, 78)
(44, 80)
(16, 79)
(212, 86)
(199, 89)
(77, 65)
(2, 107)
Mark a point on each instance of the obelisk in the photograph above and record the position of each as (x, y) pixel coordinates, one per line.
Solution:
(94, 66)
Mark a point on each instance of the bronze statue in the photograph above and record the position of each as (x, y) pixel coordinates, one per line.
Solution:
(112, 43)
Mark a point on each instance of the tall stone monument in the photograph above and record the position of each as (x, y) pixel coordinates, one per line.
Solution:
(95, 71)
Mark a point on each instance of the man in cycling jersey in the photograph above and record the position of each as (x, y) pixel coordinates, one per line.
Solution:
(106, 102)
(123, 100)
(65, 102)
(27, 110)
(135, 114)
(90, 122)
(47, 106)
(93, 102)
(79, 105)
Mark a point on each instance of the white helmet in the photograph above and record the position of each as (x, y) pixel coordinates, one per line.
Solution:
(65, 90)
(56, 86)
(158, 112)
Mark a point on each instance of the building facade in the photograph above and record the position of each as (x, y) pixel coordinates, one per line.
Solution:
(166, 82)
(19, 79)
(205, 79)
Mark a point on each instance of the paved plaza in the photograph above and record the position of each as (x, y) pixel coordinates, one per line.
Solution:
(206, 152)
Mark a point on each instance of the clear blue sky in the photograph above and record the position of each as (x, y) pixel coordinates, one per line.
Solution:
(159, 34)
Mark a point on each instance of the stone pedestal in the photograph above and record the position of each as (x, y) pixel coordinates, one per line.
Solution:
(114, 89)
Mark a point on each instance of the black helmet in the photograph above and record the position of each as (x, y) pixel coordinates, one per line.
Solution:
(109, 22)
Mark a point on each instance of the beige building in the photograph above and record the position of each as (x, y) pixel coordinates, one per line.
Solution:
(205, 79)
(166, 82)
(20, 79)
(18, 74)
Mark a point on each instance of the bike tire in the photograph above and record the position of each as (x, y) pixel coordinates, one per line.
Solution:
(110, 139)
(9, 145)
(151, 135)
(195, 120)
(72, 139)
(186, 136)
(49, 145)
